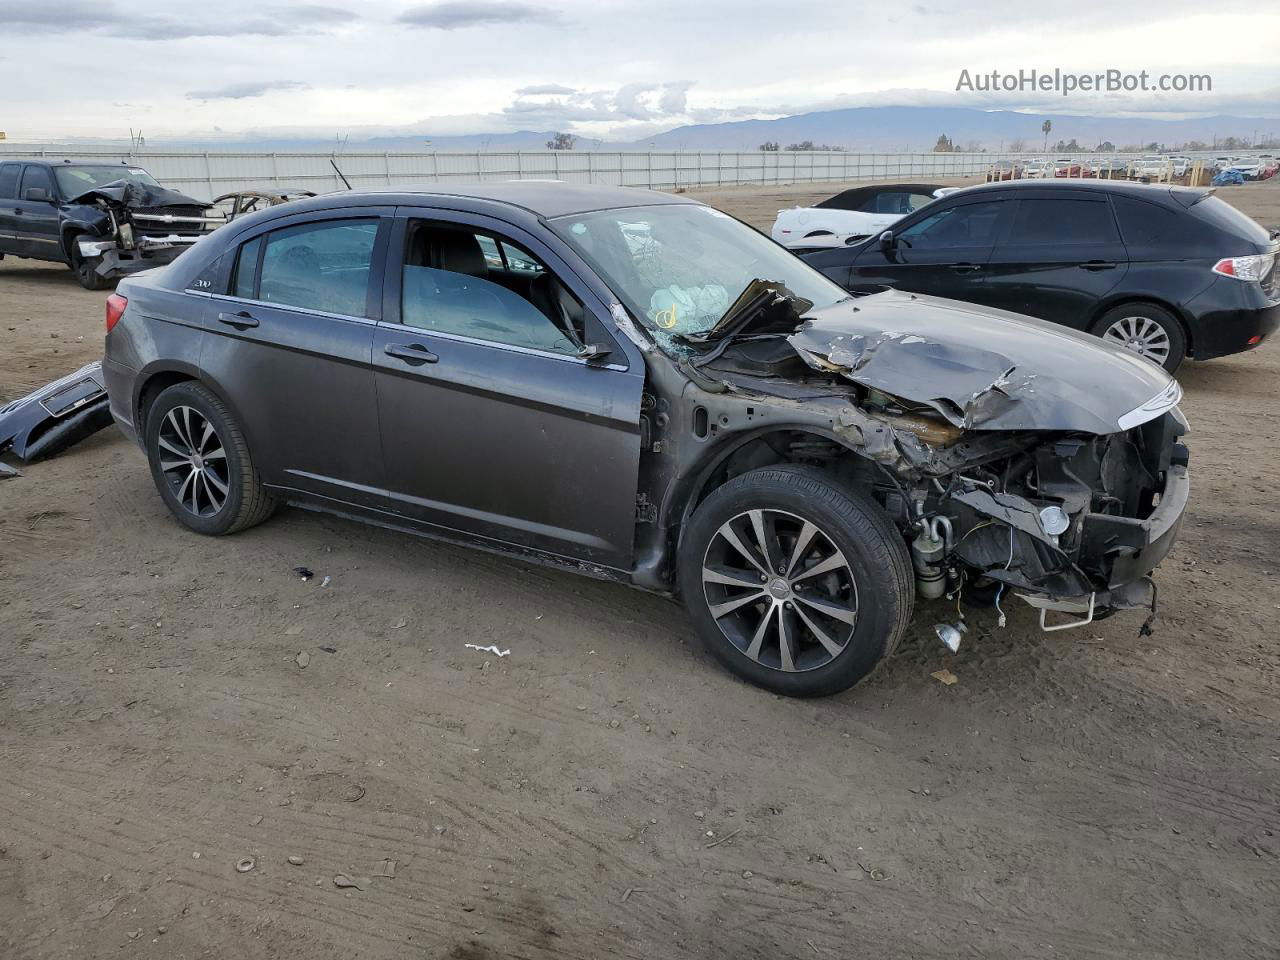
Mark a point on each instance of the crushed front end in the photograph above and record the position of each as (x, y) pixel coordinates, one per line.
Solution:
(1049, 467)
(1070, 522)
(145, 227)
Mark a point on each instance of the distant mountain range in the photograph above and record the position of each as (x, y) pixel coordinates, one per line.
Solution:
(859, 129)
(870, 129)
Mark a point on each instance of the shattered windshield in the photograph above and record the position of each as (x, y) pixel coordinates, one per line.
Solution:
(680, 267)
(74, 181)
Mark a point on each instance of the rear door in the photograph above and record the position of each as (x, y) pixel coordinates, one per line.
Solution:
(491, 423)
(941, 251)
(10, 174)
(36, 221)
(288, 342)
(1060, 256)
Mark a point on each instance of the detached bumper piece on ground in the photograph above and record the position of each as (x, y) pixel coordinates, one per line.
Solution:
(55, 417)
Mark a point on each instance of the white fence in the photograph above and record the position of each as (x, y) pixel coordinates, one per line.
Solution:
(206, 174)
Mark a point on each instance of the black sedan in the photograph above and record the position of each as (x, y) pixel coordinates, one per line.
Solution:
(1168, 272)
(635, 386)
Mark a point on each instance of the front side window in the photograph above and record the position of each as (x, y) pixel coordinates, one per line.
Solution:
(967, 225)
(457, 280)
(680, 267)
(36, 177)
(1060, 222)
(899, 202)
(317, 266)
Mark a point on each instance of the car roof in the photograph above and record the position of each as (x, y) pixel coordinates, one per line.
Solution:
(1144, 190)
(855, 195)
(545, 198)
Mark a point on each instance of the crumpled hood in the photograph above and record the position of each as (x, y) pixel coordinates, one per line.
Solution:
(130, 193)
(981, 368)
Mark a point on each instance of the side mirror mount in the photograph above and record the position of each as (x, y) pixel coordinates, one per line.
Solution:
(37, 195)
(888, 241)
(593, 353)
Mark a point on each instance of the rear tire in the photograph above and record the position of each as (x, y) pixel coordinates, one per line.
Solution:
(1147, 330)
(200, 462)
(86, 268)
(837, 588)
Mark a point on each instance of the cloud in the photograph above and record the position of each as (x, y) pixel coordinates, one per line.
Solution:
(552, 106)
(455, 16)
(243, 91)
(543, 89)
(106, 18)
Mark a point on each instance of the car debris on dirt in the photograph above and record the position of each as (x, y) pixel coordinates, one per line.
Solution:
(58, 415)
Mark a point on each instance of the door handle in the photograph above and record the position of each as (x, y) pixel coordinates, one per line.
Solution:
(966, 267)
(240, 321)
(414, 354)
(1097, 265)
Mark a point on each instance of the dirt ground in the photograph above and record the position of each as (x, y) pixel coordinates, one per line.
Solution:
(606, 790)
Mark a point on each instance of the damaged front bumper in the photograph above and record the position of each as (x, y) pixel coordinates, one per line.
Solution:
(147, 252)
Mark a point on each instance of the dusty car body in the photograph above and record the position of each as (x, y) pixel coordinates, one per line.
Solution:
(691, 410)
(103, 220)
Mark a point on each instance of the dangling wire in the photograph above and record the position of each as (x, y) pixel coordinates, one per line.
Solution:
(1000, 591)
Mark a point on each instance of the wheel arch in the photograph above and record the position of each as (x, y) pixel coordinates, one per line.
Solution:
(1106, 306)
(765, 446)
(153, 379)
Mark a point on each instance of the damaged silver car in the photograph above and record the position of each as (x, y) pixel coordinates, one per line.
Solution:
(638, 387)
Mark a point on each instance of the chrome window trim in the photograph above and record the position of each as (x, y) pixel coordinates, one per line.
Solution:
(497, 345)
(288, 306)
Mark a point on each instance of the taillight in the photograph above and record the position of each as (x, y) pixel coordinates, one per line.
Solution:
(115, 309)
(1245, 268)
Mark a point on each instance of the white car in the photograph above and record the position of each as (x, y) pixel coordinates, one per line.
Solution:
(1036, 168)
(851, 214)
(1154, 165)
(1222, 163)
(1250, 169)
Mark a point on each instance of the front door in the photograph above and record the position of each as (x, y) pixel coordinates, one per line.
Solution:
(942, 254)
(492, 424)
(36, 220)
(289, 339)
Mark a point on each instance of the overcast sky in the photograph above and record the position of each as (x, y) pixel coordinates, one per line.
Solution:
(614, 69)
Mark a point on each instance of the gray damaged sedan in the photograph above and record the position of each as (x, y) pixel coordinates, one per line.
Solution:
(637, 387)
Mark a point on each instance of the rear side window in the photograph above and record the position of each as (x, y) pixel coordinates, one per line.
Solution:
(245, 283)
(36, 177)
(1162, 232)
(1058, 222)
(317, 266)
(9, 180)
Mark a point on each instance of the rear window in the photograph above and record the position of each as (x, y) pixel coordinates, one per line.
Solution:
(9, 180)
(1225, 217)
(1057, 222)
(317, 266)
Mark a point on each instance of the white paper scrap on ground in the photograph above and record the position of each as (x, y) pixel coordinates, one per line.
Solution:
(492, 648)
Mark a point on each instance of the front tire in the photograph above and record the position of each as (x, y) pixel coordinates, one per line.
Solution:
(794, 582)
(201, 464)
(86, 268)
(1147, 330)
